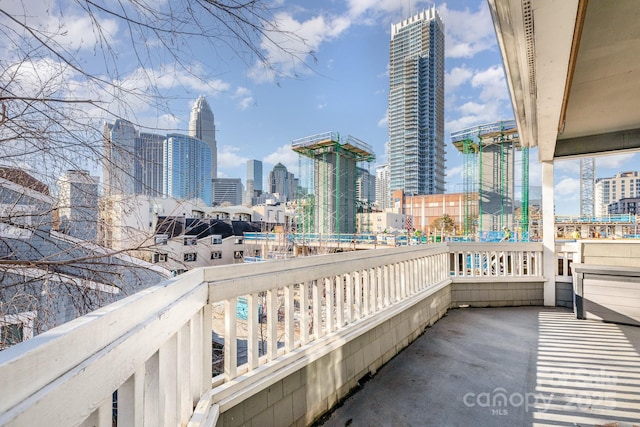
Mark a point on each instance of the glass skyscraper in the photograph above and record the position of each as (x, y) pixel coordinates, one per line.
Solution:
(202, 127)
(416, 105)
(119, 157)
(187, 168)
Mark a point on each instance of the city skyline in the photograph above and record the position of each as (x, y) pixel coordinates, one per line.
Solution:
(344, 85)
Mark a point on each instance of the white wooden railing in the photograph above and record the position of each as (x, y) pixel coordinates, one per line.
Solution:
(154, 349)
(491, 260)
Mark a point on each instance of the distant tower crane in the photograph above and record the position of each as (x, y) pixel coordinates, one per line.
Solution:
(587, 186)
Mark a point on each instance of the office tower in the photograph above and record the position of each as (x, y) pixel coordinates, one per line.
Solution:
(202, 127)
(365, 186)
(383, 192)
(612, 189)
(149, 149)
(187, 168)
(283, 182)
(119, 158)
(226, 190)
(254, 181)
(416, 105)
(78, 204)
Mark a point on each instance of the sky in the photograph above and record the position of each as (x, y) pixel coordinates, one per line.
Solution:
(342, 87)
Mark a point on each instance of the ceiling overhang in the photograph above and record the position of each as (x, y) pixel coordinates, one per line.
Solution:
(573, 73)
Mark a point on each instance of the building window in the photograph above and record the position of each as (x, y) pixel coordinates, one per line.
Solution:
(216, 255)
(238, 241)
(159, 258)
(238, 254)
(15, 328)
(190, 257)
(190, 241)
(216, 239)
(161, 239)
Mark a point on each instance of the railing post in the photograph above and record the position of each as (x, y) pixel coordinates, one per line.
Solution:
(272, 324)
(329, 289)
(289, 312)
(253, 326)
(304, 312)
(230, 339)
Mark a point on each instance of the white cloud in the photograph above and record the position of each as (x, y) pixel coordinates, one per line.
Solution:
(457, 76)
(285, 155)
(492, 83)
(244, 97)
(617, 162)
(568, 188)
(228, 157)
(290, 46)
(384, 120)
(467, 33)
(567, 166)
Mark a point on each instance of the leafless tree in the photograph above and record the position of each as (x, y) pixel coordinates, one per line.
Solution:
(63, 73)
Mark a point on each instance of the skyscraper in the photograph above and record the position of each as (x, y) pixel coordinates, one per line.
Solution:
(254, 180)
(202, 127)
(148, 168)
(283, 182)
(118, 168)
(416, 105)
(186, 168)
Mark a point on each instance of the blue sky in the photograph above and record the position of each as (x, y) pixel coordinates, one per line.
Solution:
(343, 89)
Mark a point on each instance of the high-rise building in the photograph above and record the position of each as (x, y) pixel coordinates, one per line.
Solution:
(149, 149)
(187, 168)
(365, 186)
(383, 192)
(78, 204)
(226, 190)
(254, 181)
(119, 157)
(202, 127)
(416, 105)
(283, 182)
(612, 189)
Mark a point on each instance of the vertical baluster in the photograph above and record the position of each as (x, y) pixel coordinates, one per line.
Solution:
(207, 350)
(253, 331)
(230, 339)
(130, 400)
(340, 290)
(196, 354)
(185, 405)
(272, 324)
(304, 313)
(384, 281)
(317, 309)
(328, 290)
(289, 337)
(358, 296)
(366, 292)
(349, 298)
(151, 392)
(380, 277)
(168, 382)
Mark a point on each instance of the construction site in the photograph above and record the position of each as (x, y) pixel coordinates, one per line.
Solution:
(489, 185)
(335, 183)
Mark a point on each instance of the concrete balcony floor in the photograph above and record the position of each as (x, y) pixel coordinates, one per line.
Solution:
(533, 366)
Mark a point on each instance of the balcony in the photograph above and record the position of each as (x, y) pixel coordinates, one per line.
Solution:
(298, 335)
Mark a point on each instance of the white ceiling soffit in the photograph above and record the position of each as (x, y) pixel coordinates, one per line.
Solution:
(573, 72)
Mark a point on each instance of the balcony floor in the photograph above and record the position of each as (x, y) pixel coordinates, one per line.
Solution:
(506, 366)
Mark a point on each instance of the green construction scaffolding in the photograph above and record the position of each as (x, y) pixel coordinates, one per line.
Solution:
(328, 172)
(491, 146)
